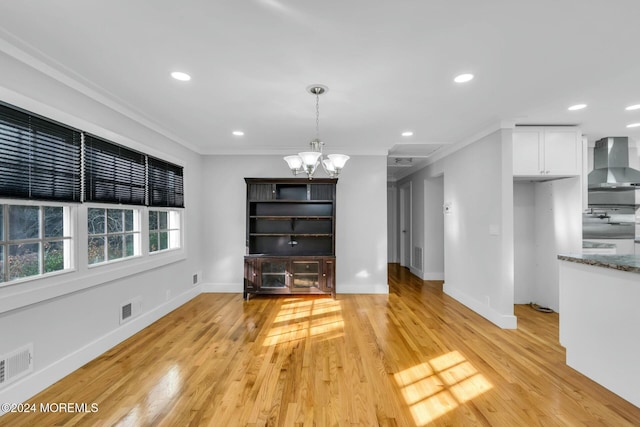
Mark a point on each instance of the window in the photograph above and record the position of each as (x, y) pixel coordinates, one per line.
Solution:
(40, 159)
(166, 186)
(113, 173)
(34, 240)
(113, 234)
(164, 230)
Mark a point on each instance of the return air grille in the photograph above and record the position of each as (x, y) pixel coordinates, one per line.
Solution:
(130, 309)
(16, 364)
(417, 258)
(126, 311)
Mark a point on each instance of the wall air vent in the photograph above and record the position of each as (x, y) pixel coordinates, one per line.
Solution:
(195, 278)
(130, 309)
(16, 364)
(417, 258)
(126, 311)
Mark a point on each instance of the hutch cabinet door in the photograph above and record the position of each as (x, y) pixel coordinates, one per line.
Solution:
(250, 276)
(328, 276)
(305, 275)
(274, 275)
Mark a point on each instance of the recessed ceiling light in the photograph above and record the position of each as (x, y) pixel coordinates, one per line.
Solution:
(183, 77)
(462, 78)
(633, 107)
(633, 125)
(407, 133)
(577, 107)
(238, 133)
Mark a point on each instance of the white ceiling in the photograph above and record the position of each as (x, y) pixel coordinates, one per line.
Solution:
(389, 67)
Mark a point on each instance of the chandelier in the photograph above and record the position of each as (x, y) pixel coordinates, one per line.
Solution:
(308, 161)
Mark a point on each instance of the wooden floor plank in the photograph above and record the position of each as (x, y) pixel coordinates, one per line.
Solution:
(415, 357)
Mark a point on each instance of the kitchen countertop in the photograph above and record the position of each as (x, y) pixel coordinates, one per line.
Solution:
(586, 244)
(629, 263)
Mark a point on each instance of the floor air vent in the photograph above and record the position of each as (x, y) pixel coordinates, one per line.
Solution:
(16, 364)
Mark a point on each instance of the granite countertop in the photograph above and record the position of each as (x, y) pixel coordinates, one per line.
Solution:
(587, 244)
(629, 263)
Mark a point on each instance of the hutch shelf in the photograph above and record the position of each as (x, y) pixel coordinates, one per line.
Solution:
(290, 246)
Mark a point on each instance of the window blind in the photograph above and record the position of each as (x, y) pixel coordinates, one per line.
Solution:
(39, 159)
(166, 186)
(113, 174)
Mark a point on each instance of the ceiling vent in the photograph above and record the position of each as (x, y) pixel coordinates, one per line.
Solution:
(403, 162)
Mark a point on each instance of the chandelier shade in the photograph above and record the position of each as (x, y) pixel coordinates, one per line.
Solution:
(308, 161)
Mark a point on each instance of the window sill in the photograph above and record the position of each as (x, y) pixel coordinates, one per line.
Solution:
(48, 287)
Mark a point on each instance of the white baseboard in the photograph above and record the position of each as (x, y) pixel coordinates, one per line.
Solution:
(223, 288)
(485, 310)
(32, 384)
(433, 276)
(416, 272)
(359, 289)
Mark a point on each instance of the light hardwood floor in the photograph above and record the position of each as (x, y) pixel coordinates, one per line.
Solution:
(414, 357)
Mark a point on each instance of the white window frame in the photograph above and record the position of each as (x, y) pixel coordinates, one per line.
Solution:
(69, 239)
(174, 229)
(138, 211)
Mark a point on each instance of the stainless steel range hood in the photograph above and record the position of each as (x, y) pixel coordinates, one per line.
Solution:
(611, 169)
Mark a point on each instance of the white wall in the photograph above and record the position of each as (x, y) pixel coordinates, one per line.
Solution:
(433, 229)
(548, 218)
(524, 207)
(74, 317)
(477, 248)
(361, 221)
(392, 222)
(427, 225)
(558, 230)
(479, 230)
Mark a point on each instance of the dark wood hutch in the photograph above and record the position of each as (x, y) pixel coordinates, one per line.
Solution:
(290, 236)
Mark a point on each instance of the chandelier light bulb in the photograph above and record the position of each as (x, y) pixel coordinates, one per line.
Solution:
(338, 160)
(294, 162)
(309, 158)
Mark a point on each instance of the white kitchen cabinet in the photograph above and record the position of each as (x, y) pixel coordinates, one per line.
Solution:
(547, 152)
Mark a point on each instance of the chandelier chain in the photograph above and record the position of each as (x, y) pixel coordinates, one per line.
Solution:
(317, 114)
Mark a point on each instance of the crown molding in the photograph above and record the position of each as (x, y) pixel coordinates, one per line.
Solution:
(32, 57)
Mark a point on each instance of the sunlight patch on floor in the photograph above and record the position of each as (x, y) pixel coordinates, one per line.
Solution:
(159, 399)
(433, 388)
(301, 319)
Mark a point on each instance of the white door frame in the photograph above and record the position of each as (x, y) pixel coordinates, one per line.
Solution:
(405, 224)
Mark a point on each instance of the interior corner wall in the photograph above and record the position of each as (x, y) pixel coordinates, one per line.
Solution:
(548, 221)
(361, 220)
(433, 228)
(70, 329)
(478, 241)
(558, 225)
(524, 242)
